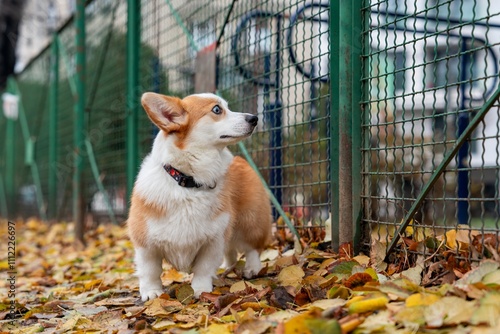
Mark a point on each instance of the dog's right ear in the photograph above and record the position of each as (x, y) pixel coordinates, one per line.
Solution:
(165, 111)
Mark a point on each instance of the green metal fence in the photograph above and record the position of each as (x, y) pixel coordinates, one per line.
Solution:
(360, 106)
(431, 123)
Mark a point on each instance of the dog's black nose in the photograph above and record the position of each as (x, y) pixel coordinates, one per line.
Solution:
(252, 120)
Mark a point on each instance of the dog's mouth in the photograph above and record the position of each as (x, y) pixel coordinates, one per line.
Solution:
(236, 137)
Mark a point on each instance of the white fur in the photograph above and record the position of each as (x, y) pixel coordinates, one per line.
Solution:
(187, 237)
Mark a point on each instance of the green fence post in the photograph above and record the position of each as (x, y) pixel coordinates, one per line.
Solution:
(334, 121)
(79, 131)
(349, 119)
(53, 136)
(133, 46)
(356, 115)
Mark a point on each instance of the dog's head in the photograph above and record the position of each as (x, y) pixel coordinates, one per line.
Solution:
(199, 119)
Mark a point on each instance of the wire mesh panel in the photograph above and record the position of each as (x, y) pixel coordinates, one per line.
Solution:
(272, 61)
(31, 137)
(430, 66)
(106, 107)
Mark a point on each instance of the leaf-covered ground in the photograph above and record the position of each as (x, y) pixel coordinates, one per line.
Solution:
(61, 287)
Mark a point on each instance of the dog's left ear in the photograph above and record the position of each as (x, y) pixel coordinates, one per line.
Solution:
(165, 111)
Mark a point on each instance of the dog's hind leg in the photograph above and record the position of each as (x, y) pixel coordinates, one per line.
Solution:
(252, 263)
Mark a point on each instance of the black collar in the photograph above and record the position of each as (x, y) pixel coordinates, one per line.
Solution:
(182, 179)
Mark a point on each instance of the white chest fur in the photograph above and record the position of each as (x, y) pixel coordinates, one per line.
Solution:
(189, 222)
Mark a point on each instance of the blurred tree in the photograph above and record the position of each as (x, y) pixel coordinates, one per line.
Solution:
(10, 16)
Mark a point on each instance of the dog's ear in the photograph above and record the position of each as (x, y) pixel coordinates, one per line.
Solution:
(165, 111)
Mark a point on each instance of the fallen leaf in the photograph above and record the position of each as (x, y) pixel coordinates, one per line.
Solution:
(368, 304)
(421, 299)
(123, 301)
(477, 274)
(243, 285)
(488, 312)
(162, 324)
(159, 307)
(281, 298)
(362, 259)
(449, 311)
(291, 276)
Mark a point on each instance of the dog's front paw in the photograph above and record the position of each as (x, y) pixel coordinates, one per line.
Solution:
(200, 285)
(150, 294)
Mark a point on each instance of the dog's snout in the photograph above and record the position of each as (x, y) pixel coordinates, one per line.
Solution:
(252, 120)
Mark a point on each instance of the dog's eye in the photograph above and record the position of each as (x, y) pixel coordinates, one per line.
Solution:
(216, 110)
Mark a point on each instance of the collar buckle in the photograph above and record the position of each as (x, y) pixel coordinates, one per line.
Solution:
(182, 179)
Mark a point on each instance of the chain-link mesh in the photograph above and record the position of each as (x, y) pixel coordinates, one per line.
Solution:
(272, 61)
(430, 66)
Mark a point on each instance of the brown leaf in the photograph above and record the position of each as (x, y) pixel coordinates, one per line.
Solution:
(185, 294)
(224, 300)
(123, 301)
(281, 298)
(209, 297)
(358, 279)
(346, 250)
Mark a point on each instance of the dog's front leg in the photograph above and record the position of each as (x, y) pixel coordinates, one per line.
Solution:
(205, 266)
(148, 264)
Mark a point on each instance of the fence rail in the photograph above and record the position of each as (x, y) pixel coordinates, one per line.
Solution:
(362, 107)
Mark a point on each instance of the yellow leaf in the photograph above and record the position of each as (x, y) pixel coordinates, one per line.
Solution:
(173, 276)
(461, 238)
(409, 228)
(256, 306)
(76, 322)
(291, 275)
(297, 325)
(372, 273)
(4, 265)
(368, 304)
(353, 300)
(219, 329)
(91, 284)
(421, 299)
(351, 325)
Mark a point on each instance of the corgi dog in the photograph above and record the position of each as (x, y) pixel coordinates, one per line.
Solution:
(194, 204)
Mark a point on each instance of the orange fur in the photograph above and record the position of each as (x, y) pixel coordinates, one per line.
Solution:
(247, 201)
(136, 222)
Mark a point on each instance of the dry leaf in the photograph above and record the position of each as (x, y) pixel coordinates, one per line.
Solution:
(291, 276)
